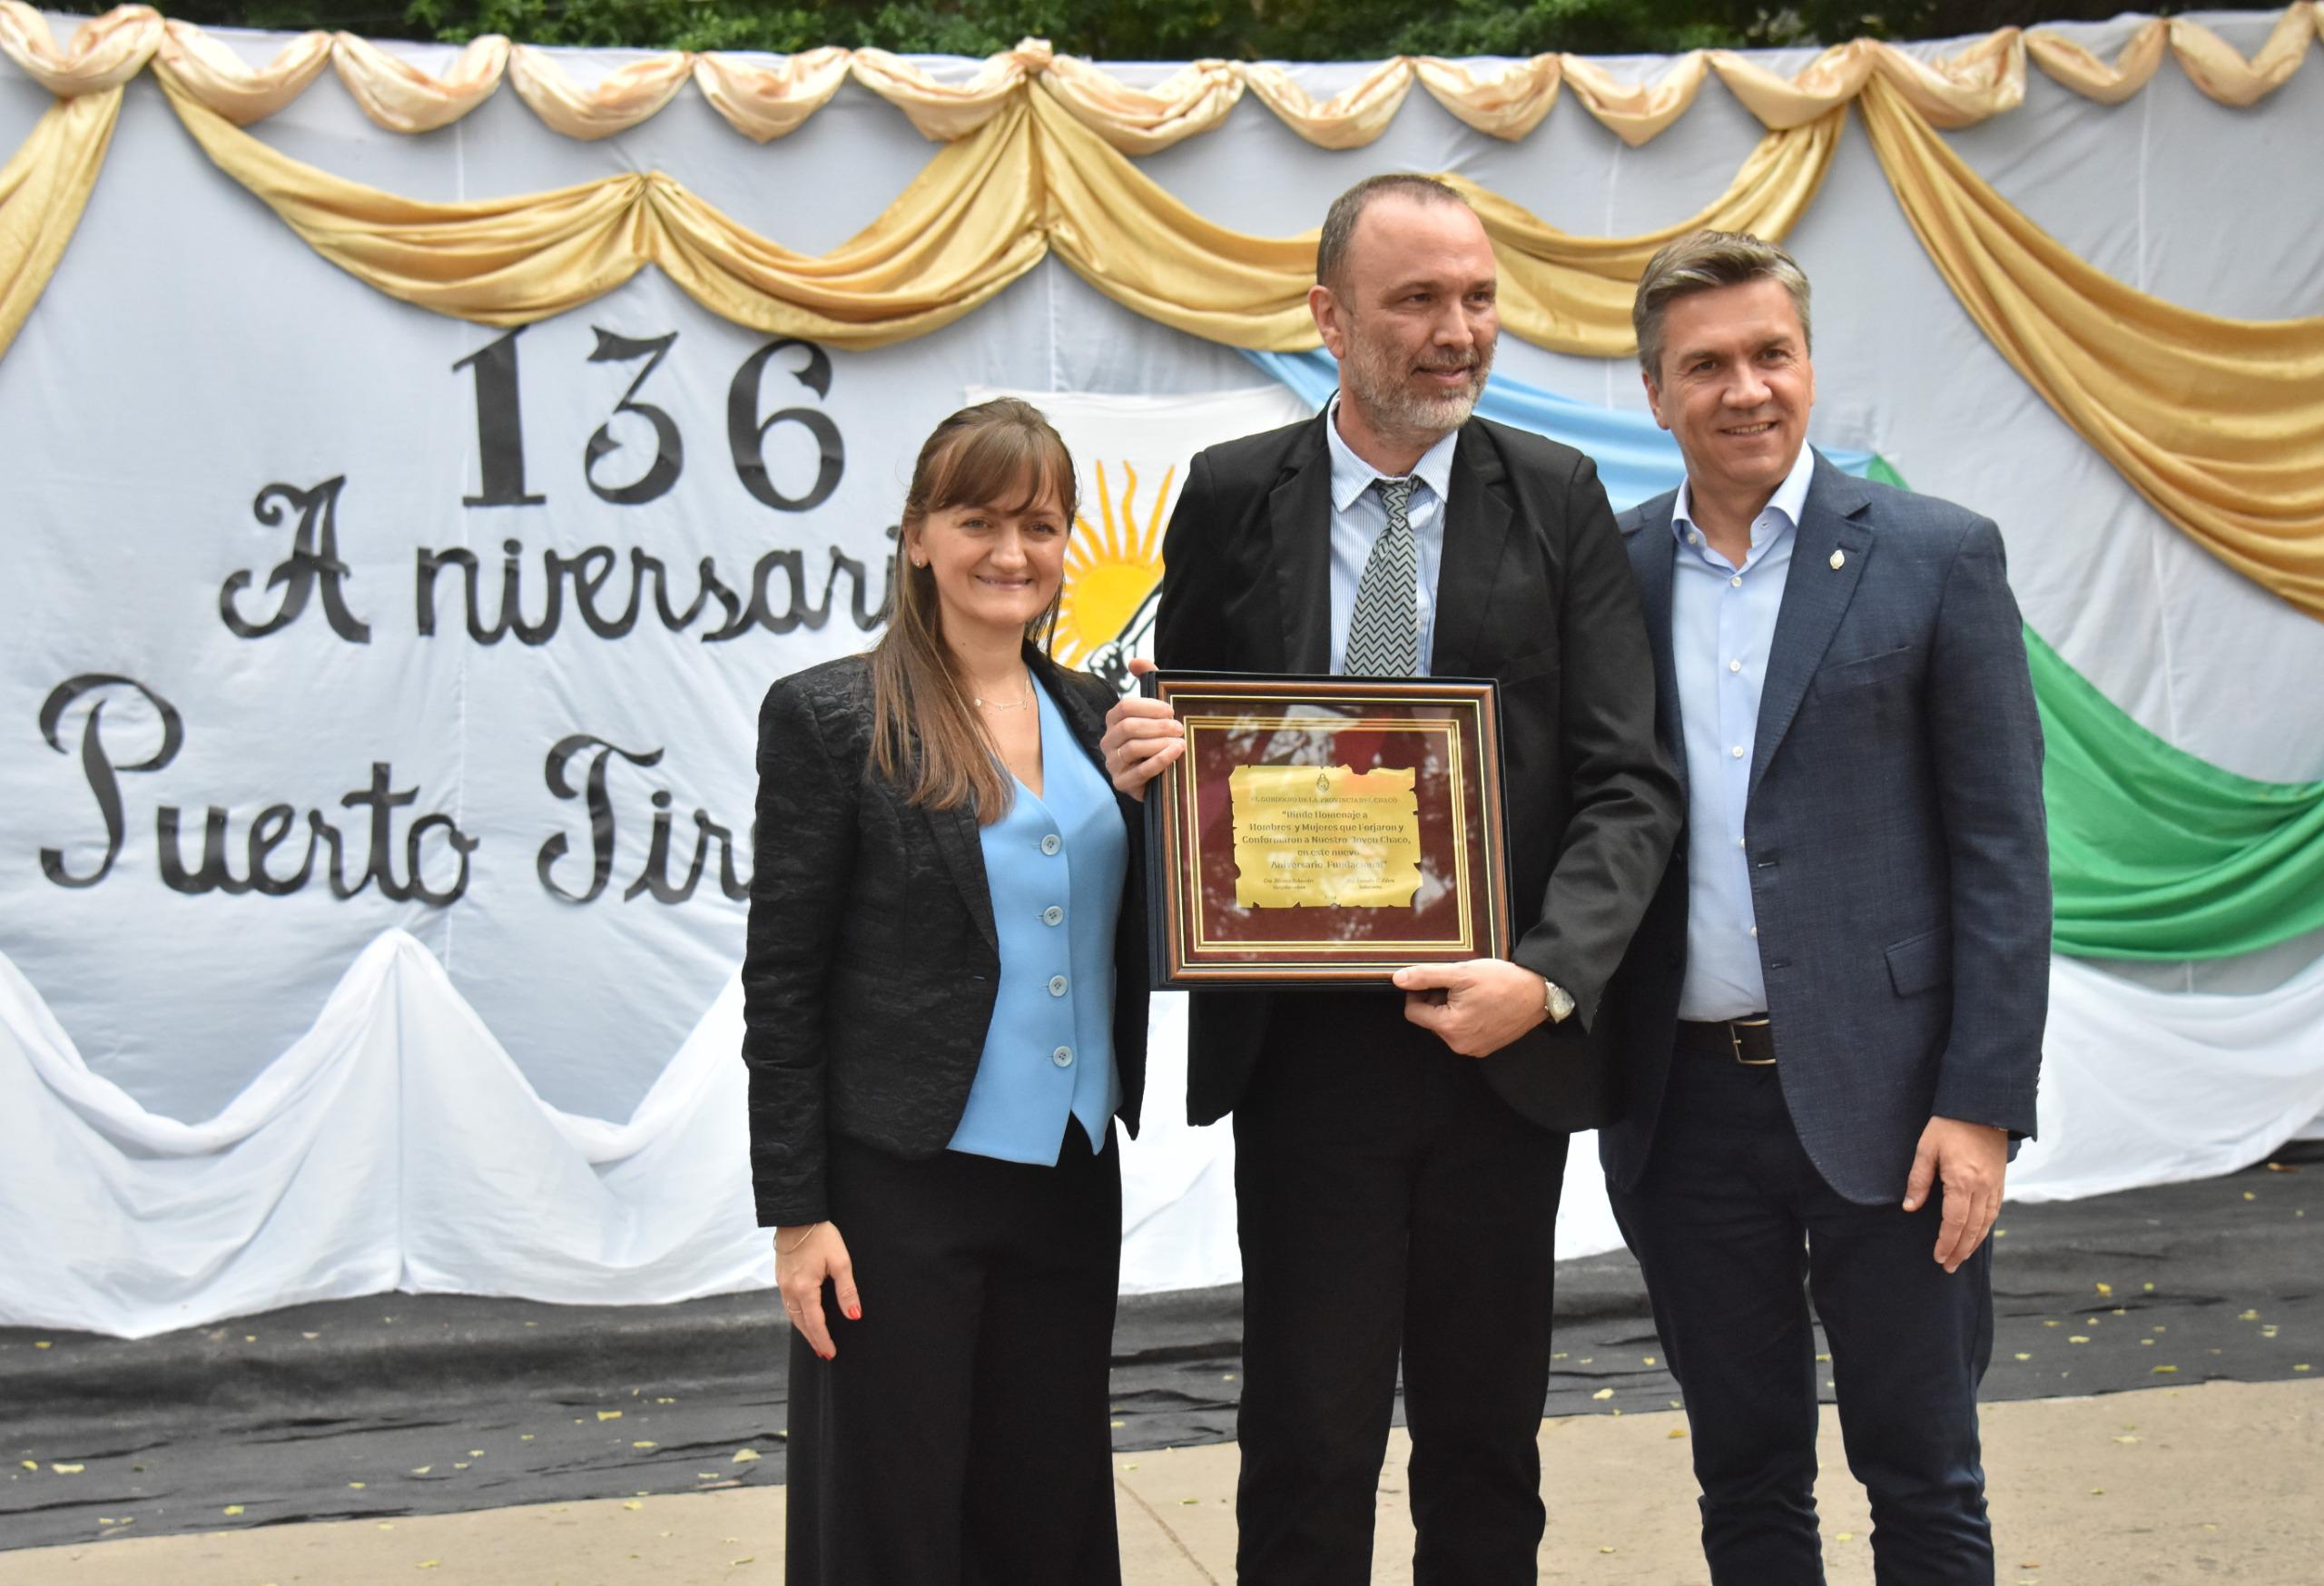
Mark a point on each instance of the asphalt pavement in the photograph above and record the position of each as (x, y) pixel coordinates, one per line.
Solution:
(404, 1405)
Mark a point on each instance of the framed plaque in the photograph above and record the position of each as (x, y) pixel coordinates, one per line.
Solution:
(1326, 831)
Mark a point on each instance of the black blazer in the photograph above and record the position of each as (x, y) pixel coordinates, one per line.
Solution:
(870, 967)
(1533, 590)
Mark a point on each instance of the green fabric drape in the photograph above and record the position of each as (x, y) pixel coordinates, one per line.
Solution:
(2153, 852)
(2157, 854)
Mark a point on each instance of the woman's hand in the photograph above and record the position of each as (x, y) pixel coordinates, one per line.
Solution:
(1142, 736)
(804, 1259)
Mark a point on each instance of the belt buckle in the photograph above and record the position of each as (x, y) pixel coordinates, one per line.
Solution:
(1734, 1042)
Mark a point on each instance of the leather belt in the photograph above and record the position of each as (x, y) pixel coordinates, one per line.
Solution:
(1748, 1041)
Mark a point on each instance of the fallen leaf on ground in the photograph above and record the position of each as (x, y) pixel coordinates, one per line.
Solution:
(608, 1414)
(631, 1503)
(744, 1456)
(1603, 1394)
(232, 1509)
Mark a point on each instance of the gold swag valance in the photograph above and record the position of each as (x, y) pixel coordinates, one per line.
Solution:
(2218, 423)
(764, 97)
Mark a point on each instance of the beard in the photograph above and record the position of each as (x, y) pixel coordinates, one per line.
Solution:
(1378, 377)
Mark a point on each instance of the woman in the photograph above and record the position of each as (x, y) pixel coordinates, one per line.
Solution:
(945, 1008)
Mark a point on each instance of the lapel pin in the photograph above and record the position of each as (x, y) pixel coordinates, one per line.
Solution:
(1839, 559)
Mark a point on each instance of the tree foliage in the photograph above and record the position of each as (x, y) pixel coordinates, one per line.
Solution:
(1155, 30)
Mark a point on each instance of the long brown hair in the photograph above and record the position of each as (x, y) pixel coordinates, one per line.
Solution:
(925, 736)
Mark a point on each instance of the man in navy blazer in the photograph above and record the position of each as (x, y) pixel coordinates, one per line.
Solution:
(1830, 1023)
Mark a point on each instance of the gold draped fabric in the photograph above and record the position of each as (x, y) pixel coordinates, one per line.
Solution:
(401, 97)
(1573, 293)
(43, 190)
(242, 93)
(106, 52)
(2220, 423)
(763, 103)
(1985, 78)
(981, 214)
(960, 233)
(623, 99)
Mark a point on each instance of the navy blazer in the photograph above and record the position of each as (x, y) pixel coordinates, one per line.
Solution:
(1898, 847)
(870, 963)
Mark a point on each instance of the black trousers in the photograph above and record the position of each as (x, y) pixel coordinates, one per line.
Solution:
(1734, 1229)
(960, 1434)
(1389, 1203)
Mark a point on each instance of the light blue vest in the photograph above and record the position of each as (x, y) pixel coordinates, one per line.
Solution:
(1055, 864)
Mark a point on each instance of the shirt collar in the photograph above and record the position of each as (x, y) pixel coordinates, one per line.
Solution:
(1352, 476)
(1785, 506)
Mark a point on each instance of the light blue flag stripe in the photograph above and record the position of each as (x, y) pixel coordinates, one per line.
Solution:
(1636, 456)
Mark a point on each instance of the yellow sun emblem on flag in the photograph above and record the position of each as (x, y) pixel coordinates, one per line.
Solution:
(1110, 570)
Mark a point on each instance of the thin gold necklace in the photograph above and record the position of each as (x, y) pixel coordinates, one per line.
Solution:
(1016, 705)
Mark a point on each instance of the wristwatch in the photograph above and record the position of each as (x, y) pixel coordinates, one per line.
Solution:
(1556, 1001)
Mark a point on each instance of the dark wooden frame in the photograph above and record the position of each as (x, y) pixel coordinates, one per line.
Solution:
(1466, 711)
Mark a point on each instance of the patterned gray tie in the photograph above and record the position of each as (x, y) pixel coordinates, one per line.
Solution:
(1383, 633)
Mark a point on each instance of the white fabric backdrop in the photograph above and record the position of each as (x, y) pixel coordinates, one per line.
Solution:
(228, 1057)
(395, 1145)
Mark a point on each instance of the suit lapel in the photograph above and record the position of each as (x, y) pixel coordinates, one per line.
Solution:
(1816, 596)
(1654, 563)
(1299, 517)
(960, 842)
(1476, 527)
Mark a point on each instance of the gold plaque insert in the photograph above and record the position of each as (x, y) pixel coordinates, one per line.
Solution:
(1331, 838)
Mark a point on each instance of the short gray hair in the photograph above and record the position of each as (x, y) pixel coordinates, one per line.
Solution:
(1703, 262)
(1339, 222)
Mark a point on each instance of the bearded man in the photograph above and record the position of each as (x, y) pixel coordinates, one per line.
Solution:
(1400, 1153)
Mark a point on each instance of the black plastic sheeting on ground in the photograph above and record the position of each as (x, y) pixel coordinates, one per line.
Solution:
(413, 1404)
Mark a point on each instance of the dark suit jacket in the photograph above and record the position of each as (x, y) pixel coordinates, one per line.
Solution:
(870, 971)
(1532, 590)
(1899, 855)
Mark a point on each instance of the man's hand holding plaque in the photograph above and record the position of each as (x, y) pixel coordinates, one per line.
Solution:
(1476, 1008)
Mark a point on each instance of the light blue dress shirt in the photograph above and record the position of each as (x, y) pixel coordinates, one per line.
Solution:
(1359, 516)
(1055, 864)
(1722, 621)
